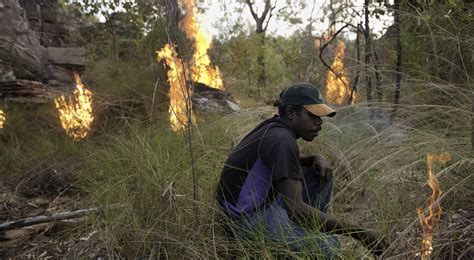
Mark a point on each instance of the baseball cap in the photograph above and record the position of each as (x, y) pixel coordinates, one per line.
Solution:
(307, 95)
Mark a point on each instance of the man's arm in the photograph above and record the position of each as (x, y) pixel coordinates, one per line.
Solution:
(306, 160)
(319, 163)
(291, 191)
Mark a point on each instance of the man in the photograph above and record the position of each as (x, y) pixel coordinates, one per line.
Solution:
(268, 187)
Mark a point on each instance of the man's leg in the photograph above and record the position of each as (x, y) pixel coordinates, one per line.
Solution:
(273, 221)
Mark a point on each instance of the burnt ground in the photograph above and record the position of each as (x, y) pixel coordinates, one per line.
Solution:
(44, 191)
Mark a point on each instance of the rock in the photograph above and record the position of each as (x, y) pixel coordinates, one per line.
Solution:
(19, 45)
(6, 72)
(67, 56)
(213, 100)
(33, 37)
(26, 91)
(233, 105)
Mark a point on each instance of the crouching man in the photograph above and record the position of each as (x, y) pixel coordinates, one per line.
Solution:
(268, 187)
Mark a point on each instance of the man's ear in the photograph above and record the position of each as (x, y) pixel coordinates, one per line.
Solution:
(290, 112)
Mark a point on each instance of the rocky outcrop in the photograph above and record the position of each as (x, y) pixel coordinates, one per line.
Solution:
(26, 91)
(33, 48)
(213, 100)
(21, 54)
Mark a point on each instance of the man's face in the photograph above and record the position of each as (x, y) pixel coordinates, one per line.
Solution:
(306, 125)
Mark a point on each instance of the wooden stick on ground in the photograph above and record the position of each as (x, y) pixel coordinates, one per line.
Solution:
(45, 218)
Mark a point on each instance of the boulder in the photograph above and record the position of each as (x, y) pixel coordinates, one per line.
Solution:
(27, 91)
(67, 56)
(33, 55)
(20, 48)
(210, 99)
(6, 72)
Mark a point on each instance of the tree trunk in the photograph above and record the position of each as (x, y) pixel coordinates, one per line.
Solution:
(173, 13)
(378, 77)
(262, 75)
(398, 74)
(261, 23)
(367, 53)
(356, 78)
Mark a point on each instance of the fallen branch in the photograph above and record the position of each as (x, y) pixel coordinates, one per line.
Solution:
(45, 218)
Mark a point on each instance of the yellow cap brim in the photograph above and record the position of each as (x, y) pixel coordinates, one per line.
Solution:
(320, 110)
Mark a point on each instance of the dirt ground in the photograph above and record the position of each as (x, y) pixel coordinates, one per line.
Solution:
(44, 191)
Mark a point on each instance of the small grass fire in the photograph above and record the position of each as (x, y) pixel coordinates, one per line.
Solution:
(2, 119)
(430, 218)
(337, 86)
(179, 94)
(199, 68)
(75, 112)
(337, 83)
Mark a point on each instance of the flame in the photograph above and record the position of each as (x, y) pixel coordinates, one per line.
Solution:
(337, 84)
(75, 112)
(200, 71)
(178, 93)
(429, 220)
(2, 119)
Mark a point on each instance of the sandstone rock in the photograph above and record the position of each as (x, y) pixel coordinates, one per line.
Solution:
(19, 45)
(26, 91)
(59, 77)
(67, 56)
(213, 100)
(6, 72)
(32, 40)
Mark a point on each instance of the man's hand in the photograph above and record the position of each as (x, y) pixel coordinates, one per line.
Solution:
(322, 168)
(310, 217)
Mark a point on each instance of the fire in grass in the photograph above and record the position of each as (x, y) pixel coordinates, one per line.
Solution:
(430, 218)
(75, 111)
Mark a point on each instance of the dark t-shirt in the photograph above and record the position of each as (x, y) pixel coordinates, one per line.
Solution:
(264, 156)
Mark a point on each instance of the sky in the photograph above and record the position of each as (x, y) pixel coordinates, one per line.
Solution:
(214, 21)
(213, 16)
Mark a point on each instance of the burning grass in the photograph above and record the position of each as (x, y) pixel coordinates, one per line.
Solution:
(2, 119)
(75, 112)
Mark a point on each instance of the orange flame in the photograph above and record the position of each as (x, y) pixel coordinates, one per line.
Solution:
(75, 113)
(201, 69)
(178, 93)
(337, 84)
(2, 119)
(429, 220)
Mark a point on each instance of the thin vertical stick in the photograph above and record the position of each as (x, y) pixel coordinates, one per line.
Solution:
(188, 124)
(367, 53)
(356, 79)
(398, 75)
